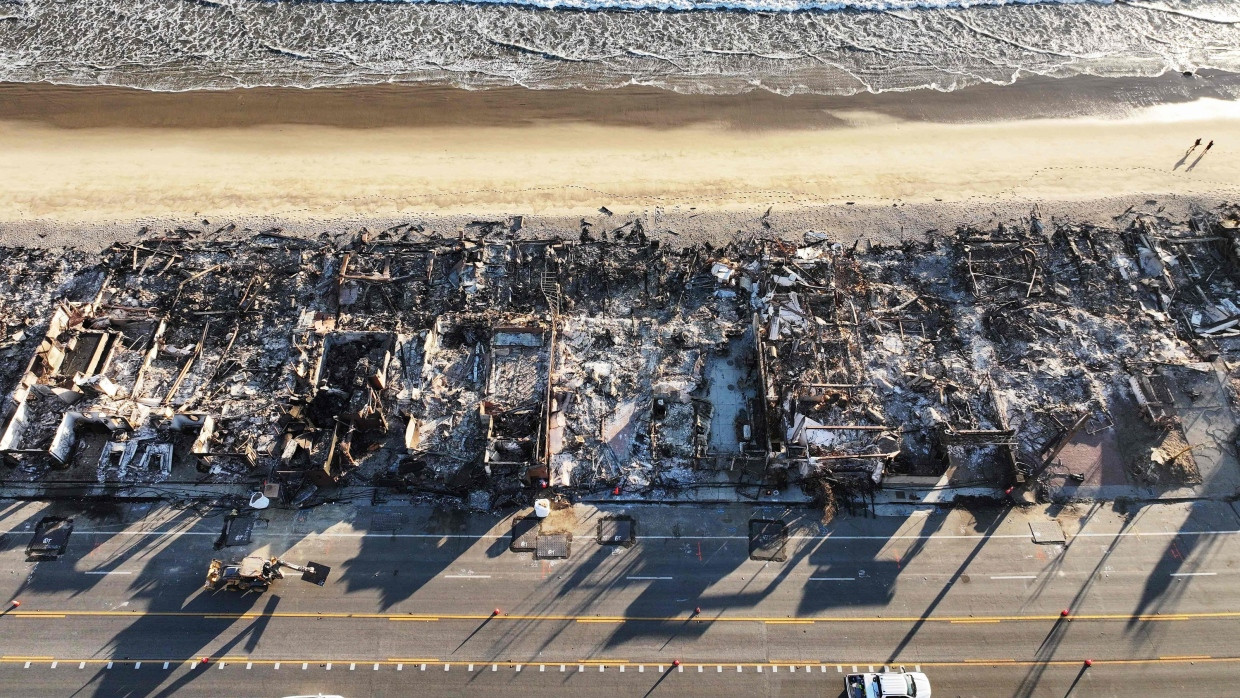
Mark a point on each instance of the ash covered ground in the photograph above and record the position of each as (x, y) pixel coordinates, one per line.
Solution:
(1048, 356)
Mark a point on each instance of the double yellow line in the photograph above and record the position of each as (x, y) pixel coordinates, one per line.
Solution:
(816, 665)
(697, 618)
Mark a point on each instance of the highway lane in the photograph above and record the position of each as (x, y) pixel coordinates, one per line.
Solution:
(924, 590)
(342, 638)
(1145, 572)
(387, 678)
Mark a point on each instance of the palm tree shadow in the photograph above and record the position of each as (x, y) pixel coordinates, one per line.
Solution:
(1191, 167)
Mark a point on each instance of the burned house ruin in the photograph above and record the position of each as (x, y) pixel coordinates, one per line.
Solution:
(488, 365)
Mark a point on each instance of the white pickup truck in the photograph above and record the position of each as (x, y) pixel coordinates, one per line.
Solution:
(888, 684)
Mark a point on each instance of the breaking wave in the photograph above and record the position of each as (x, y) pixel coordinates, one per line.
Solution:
(737, 5)
(178, 45)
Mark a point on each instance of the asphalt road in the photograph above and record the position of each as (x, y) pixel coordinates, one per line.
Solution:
(1059, 681)
(970, 599)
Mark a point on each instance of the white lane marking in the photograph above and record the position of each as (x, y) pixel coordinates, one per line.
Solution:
(738, 668)
(107, 572)
(82, 665)
(137, 665)
(1193, 574)
(353, 667)
(542, 667)
(699, 668)
(1015, 576)
(329, 666)
(621, 668)
(166, 665)
(446, 667)
(423, 667)
(518, 668)
(600, 668)
(303, 666)
(827, 537)
(400, 667)
(54, 664)
(641, 668)
(467, 576)
(759, 668)
(832, 579)
(27, 665)
(561, 668)
(916, 667)
(494, 667)
(249, 665)
(650, 579)
(471, 666)
(581, 668)
(109, 665)
(274, 668)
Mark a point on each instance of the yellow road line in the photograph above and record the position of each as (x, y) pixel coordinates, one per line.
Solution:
(415, 618)
(392, 661)
(789, 622)
(1220, 615)
(1184, 656)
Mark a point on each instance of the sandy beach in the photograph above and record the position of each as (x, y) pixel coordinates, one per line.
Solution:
(92, 158)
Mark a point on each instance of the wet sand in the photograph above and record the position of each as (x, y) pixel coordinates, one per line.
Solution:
(94, 158)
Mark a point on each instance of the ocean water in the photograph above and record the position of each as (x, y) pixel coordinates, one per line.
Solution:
(695, 46)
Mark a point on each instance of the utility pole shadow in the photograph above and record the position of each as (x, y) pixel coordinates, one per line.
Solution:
(656, 683)
(677, 631)
(477, 630)
(1077, 680)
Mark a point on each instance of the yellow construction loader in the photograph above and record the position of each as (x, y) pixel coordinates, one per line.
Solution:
(256, 573)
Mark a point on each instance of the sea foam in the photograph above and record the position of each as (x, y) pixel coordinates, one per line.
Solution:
(782, 46)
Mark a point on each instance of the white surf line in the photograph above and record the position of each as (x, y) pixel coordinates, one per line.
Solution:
(650, 579)
(466, 576)
(1194, 574)
(1015, 576)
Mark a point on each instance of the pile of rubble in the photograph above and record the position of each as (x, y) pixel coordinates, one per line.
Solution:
(488, 365)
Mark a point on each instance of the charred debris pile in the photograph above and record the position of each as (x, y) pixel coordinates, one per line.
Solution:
(489, 365)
